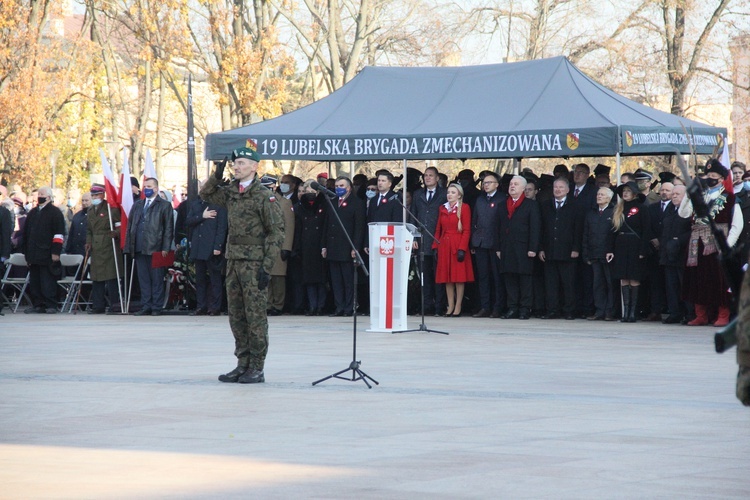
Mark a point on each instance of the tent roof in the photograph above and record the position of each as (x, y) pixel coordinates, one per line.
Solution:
(537, 108)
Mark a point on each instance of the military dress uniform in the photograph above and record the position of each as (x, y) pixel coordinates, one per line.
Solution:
(255, 236)
(99, 235)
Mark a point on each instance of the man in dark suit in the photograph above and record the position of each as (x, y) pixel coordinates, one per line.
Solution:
(150, 231)
(42, 245)
(562, 233)
(384, 208)
(655, 278)
(208, 224)
(675, 235)
(520, 228)
(583, 196)
(425, 206)
(336, 248)
(485, 219)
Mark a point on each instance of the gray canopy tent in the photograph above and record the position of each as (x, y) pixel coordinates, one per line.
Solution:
(541, 108)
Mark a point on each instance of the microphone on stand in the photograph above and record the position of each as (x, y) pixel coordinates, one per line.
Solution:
(323, 189)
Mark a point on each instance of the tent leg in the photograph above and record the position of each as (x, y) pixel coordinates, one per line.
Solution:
(617, 170)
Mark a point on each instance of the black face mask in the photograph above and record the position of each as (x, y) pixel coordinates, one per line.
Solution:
(308, 197)
(41, 201)
(710, 182)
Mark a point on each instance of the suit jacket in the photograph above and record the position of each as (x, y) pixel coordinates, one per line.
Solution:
(388, 211)
(352, 215)
(586, 199)
(428, 213)
(206, 235)
(675, 235)
(562, 230)
(598, 234)
(518, 236)
(485, 219)
(76, 243)
(657, 216)
(159, 230)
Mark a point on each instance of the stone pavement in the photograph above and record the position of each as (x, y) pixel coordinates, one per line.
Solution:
(126, 407)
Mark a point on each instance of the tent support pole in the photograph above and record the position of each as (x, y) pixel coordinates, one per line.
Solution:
(617, 170)
(403, 195)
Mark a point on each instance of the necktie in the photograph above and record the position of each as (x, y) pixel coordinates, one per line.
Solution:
(489, 197)
(382, 197)
(663, 206)
(601, 211)
(242, 188)
(559, 204)
(578, 190)
(148, 204)
(429, 196)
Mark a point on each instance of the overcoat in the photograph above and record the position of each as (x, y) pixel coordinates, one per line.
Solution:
(308, 239)
(206, 234)
(351, 211)
(98, 235)
(43, 234)
(519, 235)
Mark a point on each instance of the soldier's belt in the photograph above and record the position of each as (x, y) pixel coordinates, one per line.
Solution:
(245, 240)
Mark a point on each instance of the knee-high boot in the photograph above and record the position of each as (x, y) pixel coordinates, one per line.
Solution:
(633, 303)
(625, 302)
(723, 319)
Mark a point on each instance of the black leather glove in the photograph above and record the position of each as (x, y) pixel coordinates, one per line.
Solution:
(219, 172)
(285, 254)
(263, 279)
(461, 255)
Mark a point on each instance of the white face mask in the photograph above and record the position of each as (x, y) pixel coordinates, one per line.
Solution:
(95, 201)
(371, 194)
(284, 188)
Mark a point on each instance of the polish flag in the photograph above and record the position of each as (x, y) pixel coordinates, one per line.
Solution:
(148, 170)
(125, 199)
(109, 181)
(728, 182)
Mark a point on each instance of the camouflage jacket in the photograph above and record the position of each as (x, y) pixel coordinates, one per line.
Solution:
(256, 223)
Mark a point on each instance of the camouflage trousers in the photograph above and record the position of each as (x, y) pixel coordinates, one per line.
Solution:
(743, 342)
(247, 313)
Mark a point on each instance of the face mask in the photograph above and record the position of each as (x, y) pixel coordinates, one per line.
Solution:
(340, 192)
(148, 192)
(17, 210)
(370, 194)
(284, 188)
(71, 204)
(95, 201)
(28, 207)
(710, 182)
(308, 197)
(41, 200)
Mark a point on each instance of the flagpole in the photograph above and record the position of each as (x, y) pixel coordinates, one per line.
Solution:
(114, 253)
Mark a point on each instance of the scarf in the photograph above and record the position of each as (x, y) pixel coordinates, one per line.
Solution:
(513, 206)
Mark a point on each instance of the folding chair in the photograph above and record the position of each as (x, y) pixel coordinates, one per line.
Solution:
(71, 264)
(16, 285)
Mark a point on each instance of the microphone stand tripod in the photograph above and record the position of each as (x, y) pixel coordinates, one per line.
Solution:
(356, 372)
(423, 229)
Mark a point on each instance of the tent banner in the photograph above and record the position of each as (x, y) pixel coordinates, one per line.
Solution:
(645, 140)
(522, 144)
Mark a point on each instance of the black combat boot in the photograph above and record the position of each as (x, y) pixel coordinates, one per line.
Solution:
(234, 375)
(252, 377)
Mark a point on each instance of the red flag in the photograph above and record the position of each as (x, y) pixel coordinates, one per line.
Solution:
(125, 199)
(109, 181)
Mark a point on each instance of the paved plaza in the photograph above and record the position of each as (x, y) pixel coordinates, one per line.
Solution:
(127, 407)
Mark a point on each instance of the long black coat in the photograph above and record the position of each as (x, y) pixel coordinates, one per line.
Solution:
(388, 211)
(76, 243)
(485, 219)
(43, 234)
(352, 215)
(562, 230)
(598, 234)
(207, 234)
(428, 213)
(632, 241)
(159, 230)
(308, 240)
(675, 235)
(518, 236)
(6, 229)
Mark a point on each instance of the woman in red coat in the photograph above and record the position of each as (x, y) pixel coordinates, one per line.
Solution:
(453, 258)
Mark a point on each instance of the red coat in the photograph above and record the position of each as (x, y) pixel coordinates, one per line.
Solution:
(449, 269)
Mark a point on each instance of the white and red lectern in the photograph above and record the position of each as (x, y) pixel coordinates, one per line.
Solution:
(390, 253)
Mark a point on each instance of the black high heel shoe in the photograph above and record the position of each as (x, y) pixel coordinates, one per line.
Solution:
(448, 314)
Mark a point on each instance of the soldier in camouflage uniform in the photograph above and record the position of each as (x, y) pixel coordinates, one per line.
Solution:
(256, 232)
(743, 342)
